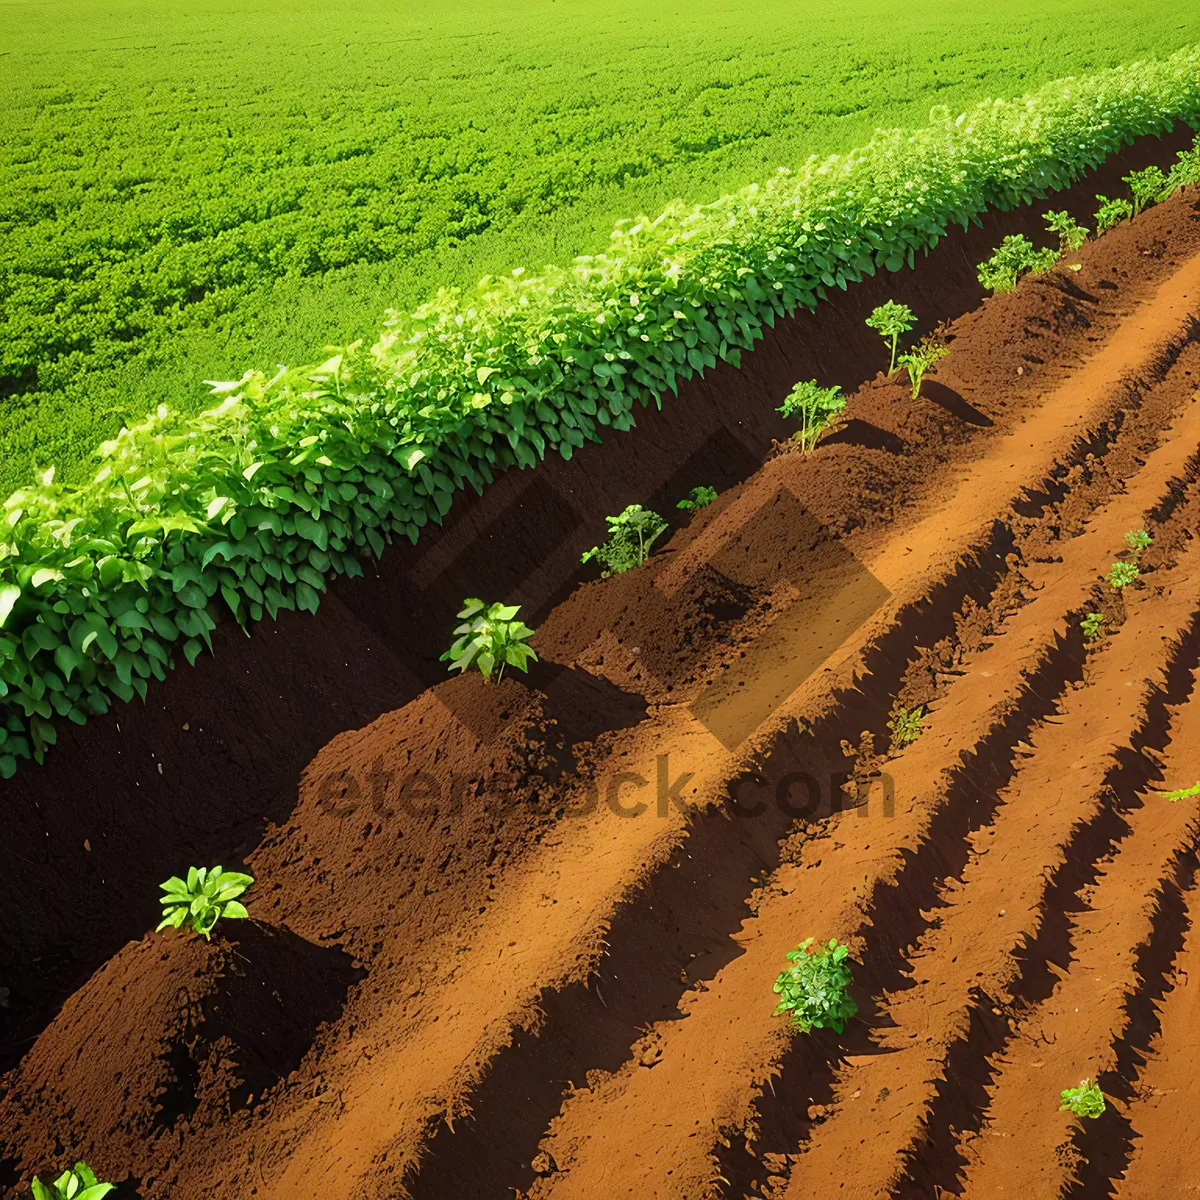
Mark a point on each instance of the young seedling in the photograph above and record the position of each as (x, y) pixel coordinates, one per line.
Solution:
(1185, 171)
(814, 988)
(198, 902)
(891, 320)
(905, 726)
(1137, 540)
(1122, 574)
(1147, 186)
(929, 350)
(1070, 234)
(699, 497)
(1183, 793)
(630, 537)
(1111, 213)
(1092, 626)
(80, 1183)
(1015, 257)
(1086, 1100)
(815, 406)
(490, 638)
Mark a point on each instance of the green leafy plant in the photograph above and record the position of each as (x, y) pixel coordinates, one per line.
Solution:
(930, 350)
(1092, 626)
(1122, 574)
(1147, 186)
(698, 497)
(490, 638)
(815, 406)
(200, 901)
(891, 320)
(1071, 235)
(1138, 540)
(1015, 257)
(1186, 170)
(814, 989)
(905, 726)
(630, 537)
(1086, 1100)
(1111, 213)
(1183, 793)
(79, 1183)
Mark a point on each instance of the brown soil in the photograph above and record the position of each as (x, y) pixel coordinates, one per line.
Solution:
(520, 939)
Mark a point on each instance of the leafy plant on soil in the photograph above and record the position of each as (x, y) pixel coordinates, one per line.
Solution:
(1111, 213)
(1071, 235)
(1092, 626)
(630, 537)
(1147, 186)
(931, 349)
(200, 901)
(698, 497)
(891, 320)
(905, 726)
(1186, 170)
(1122, 574)
(490, 638)
(1015, 257)
(814, 989)
(1086, 1100)
(79, 1183)
(815, 406)
(1183, 793)
(1137, 540)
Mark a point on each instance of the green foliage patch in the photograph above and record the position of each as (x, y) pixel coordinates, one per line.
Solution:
(815, 407)
(490, 638)
(202, 899)
(630, 536)
(1086, 1100)
(697, 498)
(1016, 256)
(815, 988)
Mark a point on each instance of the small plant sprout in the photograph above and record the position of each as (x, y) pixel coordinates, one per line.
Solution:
(1070, 234)
(929, 350)
(1183, 793)
(1137, 540)
(1016, 256)
(1086, 1100)
(905, 726)
(891, 320)
(1185, 171)
(815, 406)
(814, 989)
(79, 1183)
(1111, 213)
(630, 537)
(1147, 186)
(698, 497)
(490, 638)
(1122, 574)
(207, 895)
(1092, 626)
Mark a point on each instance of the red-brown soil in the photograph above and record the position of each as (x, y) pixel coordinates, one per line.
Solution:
(520, 939)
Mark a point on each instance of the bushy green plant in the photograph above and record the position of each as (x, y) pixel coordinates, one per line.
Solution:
(1147, 186)
(891, 320)
(79, 1183)
(1183, 793)
(630, 537)
(490, 638)
(1186, 170)
(814, 989)
(1122, 574)
(1138, 540)
(1071, 235)
(1111, 213)
(1092, 626)
(929, 351)
(698, 497)
(815, 406)
(1086, 1100)
(905, 726)
(1015, 257)
(198, 902)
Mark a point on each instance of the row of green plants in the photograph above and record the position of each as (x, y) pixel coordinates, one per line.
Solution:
(247, 509)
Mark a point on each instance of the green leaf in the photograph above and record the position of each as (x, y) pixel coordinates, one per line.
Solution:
(9, 595)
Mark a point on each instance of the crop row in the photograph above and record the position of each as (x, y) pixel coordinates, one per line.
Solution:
(251, 506)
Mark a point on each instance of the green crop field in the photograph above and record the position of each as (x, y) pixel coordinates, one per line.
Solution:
(189, 190)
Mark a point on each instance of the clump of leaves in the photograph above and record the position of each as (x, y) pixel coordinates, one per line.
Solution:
(1147, 186)
(1122, 574)
(630, 537)
(905, 726)
(1111, 213)
(1183, 793)
(1186, 170)
(814, 989)
(891, 320)
(1086, 1100)
(1016, 256)
(207, 895)
(79, 1183)
(815, 406)
(931, 349)
(490, 638)
(1092, 626)
(698, 497)
(1137, 540)
(1071, 235)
